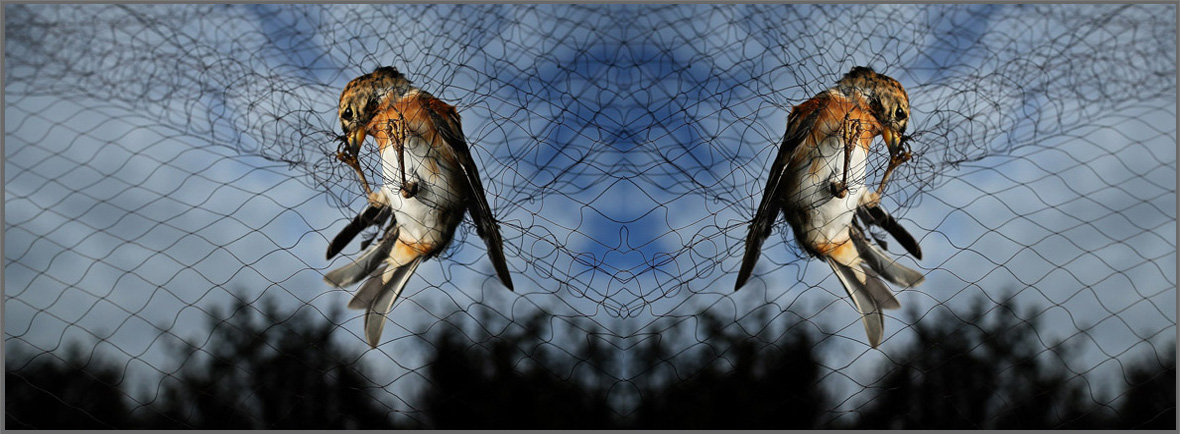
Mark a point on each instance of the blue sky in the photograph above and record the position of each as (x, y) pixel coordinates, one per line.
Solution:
(160, 159)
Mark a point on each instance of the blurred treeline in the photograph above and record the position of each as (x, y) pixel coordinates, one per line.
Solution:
(983, 369)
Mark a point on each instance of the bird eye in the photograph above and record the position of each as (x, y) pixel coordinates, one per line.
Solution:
(347, 115)
(900, 114)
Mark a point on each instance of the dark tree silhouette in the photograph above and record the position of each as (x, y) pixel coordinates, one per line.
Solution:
(487, 382)
(78, 392)
(981, 370)
(280, 371)
(1150, 401)
(158, 154)
(271, 369)
(739, 381)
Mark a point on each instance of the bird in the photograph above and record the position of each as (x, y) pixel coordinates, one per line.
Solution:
(818, 183)
(429, 182)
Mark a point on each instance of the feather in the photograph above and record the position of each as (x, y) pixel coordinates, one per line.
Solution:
(377, 295)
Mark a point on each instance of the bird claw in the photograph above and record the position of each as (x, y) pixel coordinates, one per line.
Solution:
(897, 157)
(397, 132)
(409, 190)
(348, 156)
(377, 199)
(901, 156)
(839, 189)
(852, 130)
(871, 199)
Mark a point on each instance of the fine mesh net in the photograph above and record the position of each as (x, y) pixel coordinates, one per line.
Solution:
(171, 185)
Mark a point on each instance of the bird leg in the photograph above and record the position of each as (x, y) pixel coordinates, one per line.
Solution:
(897, 157)
(397, 132)
(851, 130)
(345, 154)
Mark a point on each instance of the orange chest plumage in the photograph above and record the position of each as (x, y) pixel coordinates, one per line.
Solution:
(837, 117)
(420, 115)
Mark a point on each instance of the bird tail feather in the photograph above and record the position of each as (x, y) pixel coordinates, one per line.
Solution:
(877, 216)
(869, 294)
(363, 266)
(377, 295)
(886, 266)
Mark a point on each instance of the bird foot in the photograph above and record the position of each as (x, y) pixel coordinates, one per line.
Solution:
(397, 132)
(897, 157)
(346, 155)
(871, 199)
(839, 189)
(377, 199)
(409, 189)
(852, 130)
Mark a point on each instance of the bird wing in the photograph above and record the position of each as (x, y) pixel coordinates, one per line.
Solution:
(799, 127)
(370, 260)
(876, 216)
(446, 121)
(373, 215)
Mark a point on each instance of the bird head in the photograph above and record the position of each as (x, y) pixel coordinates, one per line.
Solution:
(362, 98)
(887, 99)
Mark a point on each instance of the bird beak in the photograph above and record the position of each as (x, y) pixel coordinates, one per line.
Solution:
(355, 139)
(892, 138)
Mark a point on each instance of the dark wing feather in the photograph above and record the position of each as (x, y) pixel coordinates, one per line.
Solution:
(372, 215)
(798, 127)
(877, 216)
(485, 224)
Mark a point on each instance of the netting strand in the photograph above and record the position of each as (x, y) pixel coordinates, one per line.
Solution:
(171, 183)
